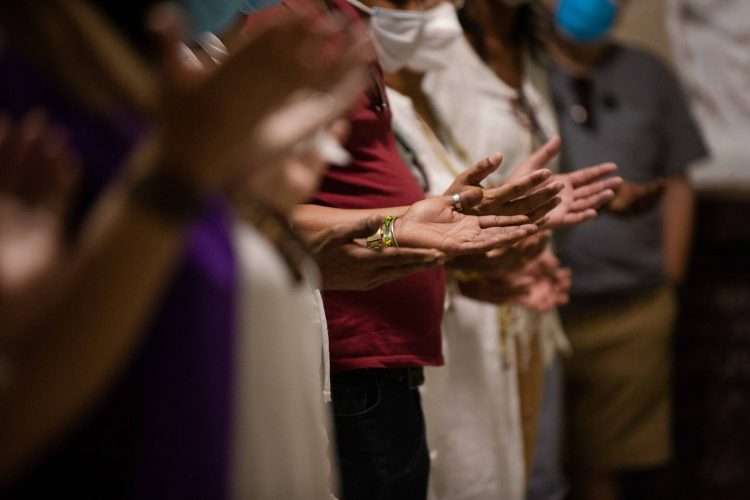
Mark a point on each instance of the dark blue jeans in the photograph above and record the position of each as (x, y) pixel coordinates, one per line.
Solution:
(380, 436)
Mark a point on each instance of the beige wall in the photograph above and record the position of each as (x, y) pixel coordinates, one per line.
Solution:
(643, 25)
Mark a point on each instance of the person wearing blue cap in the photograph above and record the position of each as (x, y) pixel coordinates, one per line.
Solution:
(585, 20)
(622, 104)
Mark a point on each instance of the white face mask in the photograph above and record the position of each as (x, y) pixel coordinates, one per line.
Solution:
(412, 39)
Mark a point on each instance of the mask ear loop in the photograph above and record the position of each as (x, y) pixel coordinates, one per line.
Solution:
(359, 5)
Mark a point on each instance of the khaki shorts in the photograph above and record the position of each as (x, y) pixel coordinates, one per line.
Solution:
(618, 382)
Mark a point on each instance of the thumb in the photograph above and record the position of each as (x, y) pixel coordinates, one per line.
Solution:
(470, 197)
(481, 170)
(539, 158)
(167, 23)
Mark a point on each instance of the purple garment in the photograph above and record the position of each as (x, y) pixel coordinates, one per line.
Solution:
(188, 365)
(162, 430)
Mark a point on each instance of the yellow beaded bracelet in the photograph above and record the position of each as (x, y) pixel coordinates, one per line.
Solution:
(385, 236)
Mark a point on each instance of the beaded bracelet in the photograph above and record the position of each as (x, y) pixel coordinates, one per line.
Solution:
(385, 236)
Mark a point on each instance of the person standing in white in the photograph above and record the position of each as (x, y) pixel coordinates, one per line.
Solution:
(281, 446)
(506, 106)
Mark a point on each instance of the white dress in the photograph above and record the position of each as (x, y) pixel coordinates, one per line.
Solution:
(479, 110)
(280, 444)
(471, 403)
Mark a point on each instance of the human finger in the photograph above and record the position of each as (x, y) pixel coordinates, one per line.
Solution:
(596, 187)
(592, 202)
(488, 221)
(575, 218)
(540, 158)
(294, 123)
(496, 237)
(516, 195)
(585, 175)
(169, 27)
(475, 175)
(540, 214)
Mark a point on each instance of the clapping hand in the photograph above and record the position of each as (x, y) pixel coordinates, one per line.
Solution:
(435, 223)
(530, 194)
(346, 264)
(633, 198)
(284, 81)
(501, 261)
(38, 173)
(583, 191)
(551, 283)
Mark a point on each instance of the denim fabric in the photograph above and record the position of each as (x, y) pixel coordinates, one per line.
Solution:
(380, 437)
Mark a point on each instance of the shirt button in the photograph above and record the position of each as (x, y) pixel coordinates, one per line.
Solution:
(579, 114)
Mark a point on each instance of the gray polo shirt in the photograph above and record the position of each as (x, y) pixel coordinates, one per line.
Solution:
(633, 112)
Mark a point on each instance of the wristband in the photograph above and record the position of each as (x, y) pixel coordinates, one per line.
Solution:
(385, 236)
(389, 232)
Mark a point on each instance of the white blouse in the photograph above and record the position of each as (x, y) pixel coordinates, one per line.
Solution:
(471, 404)
(480, 111)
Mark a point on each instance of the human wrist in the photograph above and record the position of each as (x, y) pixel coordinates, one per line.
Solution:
(385, 236)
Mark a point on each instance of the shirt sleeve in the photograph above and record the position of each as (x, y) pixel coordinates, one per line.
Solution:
(683, 140)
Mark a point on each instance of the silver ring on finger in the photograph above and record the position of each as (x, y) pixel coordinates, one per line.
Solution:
(456, 199)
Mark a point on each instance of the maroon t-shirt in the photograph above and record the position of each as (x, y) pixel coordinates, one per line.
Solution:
(397, 324)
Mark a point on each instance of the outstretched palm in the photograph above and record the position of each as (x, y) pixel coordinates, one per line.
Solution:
(37, 176)
(584, 191)
(307, 81)
(434, 223)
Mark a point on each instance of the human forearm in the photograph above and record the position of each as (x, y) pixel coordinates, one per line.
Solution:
(311, 219)
(678, 211)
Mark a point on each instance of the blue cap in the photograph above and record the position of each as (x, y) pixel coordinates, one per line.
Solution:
(586, 20)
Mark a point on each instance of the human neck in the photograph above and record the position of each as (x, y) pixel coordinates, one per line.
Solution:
(578, 59)
(504, 53)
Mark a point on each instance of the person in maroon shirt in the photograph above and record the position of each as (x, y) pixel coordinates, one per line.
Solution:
(384, 309)
(380, 338)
